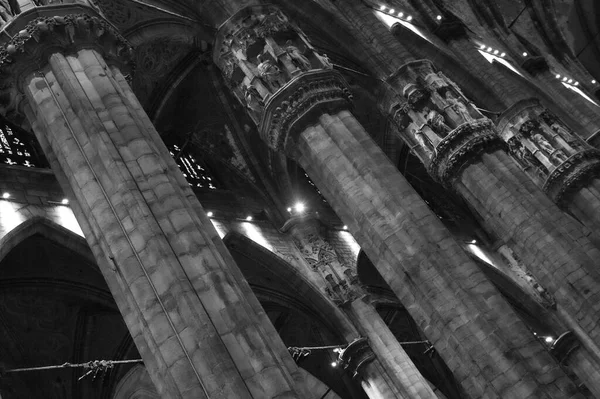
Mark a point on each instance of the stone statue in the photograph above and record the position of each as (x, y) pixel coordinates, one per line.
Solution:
(522, 154)
(324, 60)
(564, 133)
(6, 13)
(458, 106)
(543, 144)
(253, 102)
(269, 71)
(298, 59)
(437, 122)
(423, 141)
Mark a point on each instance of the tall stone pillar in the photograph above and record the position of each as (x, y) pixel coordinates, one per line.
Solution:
(195, 322)
(562, 164)
(401, 375)
(463, 151)
(302, 108)
(359, 361)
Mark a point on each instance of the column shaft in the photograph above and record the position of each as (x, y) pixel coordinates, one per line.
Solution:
(554, 246)
(482, 340)
(388, 350)
(195, 324)
(585, 205)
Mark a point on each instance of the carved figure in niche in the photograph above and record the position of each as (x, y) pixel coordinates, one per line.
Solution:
(324, 60)
(298, 59)
(247, 39)
(269, 71)
(516, 147)
(423, 141)
(436, 122)
(6, 13)
(543, 144)
(458, 106)
(253, 101)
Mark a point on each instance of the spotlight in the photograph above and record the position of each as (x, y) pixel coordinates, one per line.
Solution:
(65, 201)
(345, 227)
(439, 17)
(525, 54)
(300, 207)
(549, 339)
(333, 364)
(249, 218)
(409, 18)
(289, 210)
(6, 195)
(209, 214)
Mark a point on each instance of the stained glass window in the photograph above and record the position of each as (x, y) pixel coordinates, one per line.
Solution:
(196, 173)
(18, 147)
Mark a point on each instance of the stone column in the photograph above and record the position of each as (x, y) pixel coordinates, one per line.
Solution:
(562, 164)
(401, 375)
(467, 155)
(305, 113)
(397, 364)
(195, 322)
(358, 360)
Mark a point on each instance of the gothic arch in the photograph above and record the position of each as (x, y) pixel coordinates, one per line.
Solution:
(272, 264)
(48, 229)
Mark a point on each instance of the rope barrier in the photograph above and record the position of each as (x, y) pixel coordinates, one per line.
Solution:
(94, 367)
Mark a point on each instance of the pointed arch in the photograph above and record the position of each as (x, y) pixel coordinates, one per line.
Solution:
(272, 264)
(48, 229)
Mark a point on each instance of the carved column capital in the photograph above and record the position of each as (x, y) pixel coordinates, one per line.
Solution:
(564, 346)
(553, 156)
(41, 32)
(299, 104)
(356, 355)
(274, 71)
(572, 175)
(430, 108)
(462, 147)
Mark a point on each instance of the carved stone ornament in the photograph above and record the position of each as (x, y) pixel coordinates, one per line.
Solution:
(356, 356)
(259, 51)
(572, 175)
(39, 35)
(564, 346)
(553, 156)
(299, 103)
(462, 147)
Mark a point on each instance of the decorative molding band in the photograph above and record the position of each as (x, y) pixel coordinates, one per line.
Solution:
(300, 103)
(572, 175)
(461, 148)
(356, 355)
(564, 345)
(51, 30)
